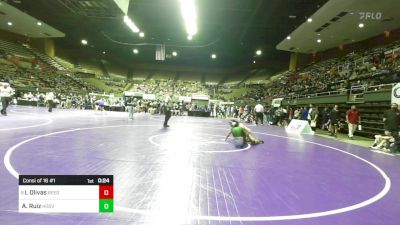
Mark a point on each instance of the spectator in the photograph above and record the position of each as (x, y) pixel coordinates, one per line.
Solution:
(391, 120)
(325, 115)
(304, 114)
(313, 117)
(334, 121)
(352, 119)
(5, 94)
(382, 142)
(50, 100)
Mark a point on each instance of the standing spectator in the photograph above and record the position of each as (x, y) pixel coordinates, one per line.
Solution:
(352, 119)
(304, 114)
(313, 117)
(297, 113)
(290, 113)
(325, 115)
(259, 109)
(334, 120)
(241, 111)
(391, 119)
(5, 94)
(50, 100)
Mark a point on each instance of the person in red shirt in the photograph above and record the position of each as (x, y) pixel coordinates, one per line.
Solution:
(352, 119)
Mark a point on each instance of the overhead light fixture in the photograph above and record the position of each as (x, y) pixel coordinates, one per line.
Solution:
(189, 15)
(254, 61)
(39, 23)
(309, 20)
(9, 23)
(104, 52)
(141, 34)
(84, 41)
(135, 51)
(131, 24)
(189, 37)
(213, 56)
(360, 25)
(174, 53)
(288, 37)
(258, 52)
(319, 40)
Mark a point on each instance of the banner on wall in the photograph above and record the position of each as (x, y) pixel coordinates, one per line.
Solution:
(396, 94)
(185, 99)
(200, 97)
(133, 94)
(276, 102)
(149, 96)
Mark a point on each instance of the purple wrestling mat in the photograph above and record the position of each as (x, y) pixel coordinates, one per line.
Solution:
(188, 174)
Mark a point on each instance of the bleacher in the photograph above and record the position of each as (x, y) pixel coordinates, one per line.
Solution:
(15, 49)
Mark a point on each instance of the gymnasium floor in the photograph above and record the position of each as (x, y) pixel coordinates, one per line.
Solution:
(187, 174)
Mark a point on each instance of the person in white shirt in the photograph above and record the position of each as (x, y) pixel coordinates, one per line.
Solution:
(259, 109)
(5, 94)
(50, 100)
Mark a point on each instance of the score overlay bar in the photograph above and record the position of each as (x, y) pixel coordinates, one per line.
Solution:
(66, 193)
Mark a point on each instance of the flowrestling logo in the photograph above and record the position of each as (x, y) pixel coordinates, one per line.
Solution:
(370, 15)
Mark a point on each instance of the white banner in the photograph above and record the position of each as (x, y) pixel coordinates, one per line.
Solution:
(131, 93)
(149, 96)
(185, 99)
(299, 127)
(396, 94)
(200, 97)
(276, 102)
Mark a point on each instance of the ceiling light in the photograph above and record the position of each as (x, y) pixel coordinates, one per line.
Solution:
(319, 40)
(39, 23)
(189, 15)
(135, 51)
(361, 25)
(84, 42)
(131, 24)
(9, 23)
(174, 53)
(213, 56)
(288, 37)
(141, 34)
(189, 37)
(254, 62)
(258, 52)
(309, 20)
(104, 52)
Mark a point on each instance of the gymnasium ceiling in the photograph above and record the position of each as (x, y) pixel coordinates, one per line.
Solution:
(337, 23)
(232, 29)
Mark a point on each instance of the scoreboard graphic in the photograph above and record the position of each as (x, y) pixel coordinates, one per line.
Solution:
(66, 194)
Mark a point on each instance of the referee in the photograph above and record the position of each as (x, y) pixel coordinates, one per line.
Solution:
(259, 109)
(168, 108)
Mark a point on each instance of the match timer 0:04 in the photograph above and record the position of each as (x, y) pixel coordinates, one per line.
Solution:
(66, 193)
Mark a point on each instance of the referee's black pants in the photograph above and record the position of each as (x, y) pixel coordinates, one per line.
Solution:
(4, 103)
(395, 135)
(167, 116)
(50, 102)
(260, 115)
